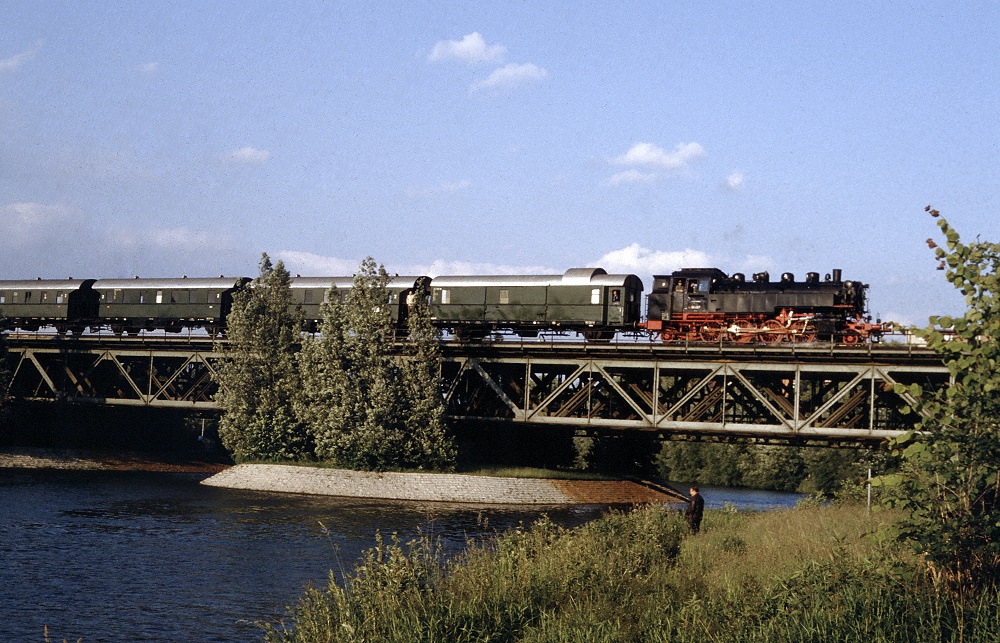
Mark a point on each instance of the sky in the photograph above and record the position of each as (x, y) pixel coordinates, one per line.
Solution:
(441, 137)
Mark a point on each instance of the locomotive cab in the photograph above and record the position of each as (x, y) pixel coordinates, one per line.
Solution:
(685, 291)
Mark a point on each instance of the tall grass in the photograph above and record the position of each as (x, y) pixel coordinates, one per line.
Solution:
(810, 574)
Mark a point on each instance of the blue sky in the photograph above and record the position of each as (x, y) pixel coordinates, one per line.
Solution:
(168, 139)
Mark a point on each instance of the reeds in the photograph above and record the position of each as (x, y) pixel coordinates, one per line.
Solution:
(809, 574)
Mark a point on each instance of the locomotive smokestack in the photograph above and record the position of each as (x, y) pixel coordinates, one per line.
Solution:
(837, 272)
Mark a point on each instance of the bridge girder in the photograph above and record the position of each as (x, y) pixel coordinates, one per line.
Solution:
(723, 399)
(125, 377)
(821, 395)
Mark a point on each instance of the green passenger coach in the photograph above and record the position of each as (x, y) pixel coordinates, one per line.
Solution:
(66, 304)
(586, 300)
(309, 293)
(170, 304)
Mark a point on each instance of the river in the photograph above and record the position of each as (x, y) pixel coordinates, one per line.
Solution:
(139, 556)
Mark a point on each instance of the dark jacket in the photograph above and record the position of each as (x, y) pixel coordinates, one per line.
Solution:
(695, 508)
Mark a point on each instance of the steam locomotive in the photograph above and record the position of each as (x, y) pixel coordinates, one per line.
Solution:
(708, 305)
(689, 305)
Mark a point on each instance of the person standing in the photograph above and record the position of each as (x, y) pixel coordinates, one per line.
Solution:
(695, 509)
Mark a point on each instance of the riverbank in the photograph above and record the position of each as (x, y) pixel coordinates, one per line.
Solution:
(807, 574)
(437, 487)
(89, 460)
(426, 487)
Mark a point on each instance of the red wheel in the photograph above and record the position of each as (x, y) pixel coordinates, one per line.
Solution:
(711, 333)
(668, 335)
(851, 337)
(774, 332)
(743, 332)
(802, 332)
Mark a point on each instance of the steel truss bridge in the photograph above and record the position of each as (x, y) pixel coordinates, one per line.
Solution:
(791, 393)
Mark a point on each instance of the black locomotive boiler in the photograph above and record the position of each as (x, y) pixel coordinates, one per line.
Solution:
(706, 304)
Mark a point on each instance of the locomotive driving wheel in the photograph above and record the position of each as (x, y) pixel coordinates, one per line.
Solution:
(712, 333)
(773, 331)
(802, 333)
(743, 332)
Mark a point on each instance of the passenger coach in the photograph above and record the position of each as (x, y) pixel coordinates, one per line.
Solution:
(587, 300)
(310, 292)
(138, 304)
(66, 304)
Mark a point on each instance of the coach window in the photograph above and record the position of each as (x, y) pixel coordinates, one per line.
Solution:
(159, 296)
(3, 298)
(44, 296)
(595, 296)
(59, 297)
(308, 296)
(27, 296)
(616, 296)
(445, 296)
(505, 295)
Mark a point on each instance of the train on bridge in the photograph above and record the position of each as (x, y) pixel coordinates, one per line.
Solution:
(689, 305)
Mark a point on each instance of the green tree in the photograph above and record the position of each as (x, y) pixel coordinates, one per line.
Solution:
(431, 444)
(366, 408)
(949, 483)
(258, 378)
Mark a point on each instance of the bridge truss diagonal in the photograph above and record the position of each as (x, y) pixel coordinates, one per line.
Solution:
(795, 395)
(772, 401)
(128, 377)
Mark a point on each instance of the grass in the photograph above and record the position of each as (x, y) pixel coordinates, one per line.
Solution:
(808, 574)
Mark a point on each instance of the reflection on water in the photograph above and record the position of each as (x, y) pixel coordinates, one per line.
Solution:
(121, 556)
(111, 556)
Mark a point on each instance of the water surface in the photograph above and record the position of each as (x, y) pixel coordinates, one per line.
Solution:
(138, 556)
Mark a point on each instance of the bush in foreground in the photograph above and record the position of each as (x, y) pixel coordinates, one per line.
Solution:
(811, 574)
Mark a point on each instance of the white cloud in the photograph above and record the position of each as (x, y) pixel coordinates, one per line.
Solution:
(15, 61)
(28, 214)
(632, 176)
(149, 68)
(248, 156)
(470, 49)
(445, 267)
(650, 155)
(182, 239)
(757, 263)
(314, 265)
(734, 182)
(308, 263)
(441, 188)
(635, 259)
(25, 222)
(511, 76)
